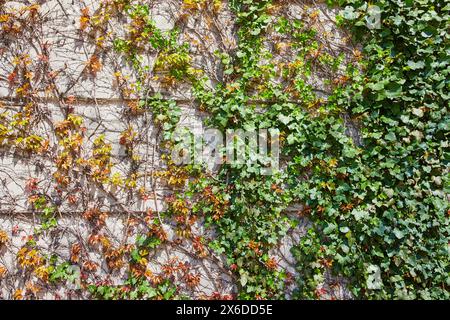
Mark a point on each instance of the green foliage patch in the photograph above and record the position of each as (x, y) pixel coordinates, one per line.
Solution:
(378, 204)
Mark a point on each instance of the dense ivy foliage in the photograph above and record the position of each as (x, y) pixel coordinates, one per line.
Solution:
(382, 221)
(379, 210)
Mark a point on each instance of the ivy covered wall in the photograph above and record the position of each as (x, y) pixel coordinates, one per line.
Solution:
(93, 203)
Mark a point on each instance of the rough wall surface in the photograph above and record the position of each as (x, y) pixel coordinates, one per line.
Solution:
(51, 67)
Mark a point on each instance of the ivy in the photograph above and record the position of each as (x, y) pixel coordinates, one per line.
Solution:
(385, 226)
(378, 208)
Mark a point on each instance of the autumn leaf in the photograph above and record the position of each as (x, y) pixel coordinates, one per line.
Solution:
(3, 237)
(18, 294)
(84, 19)
(31, 185)
(3, 272)
(12, 78)
(94, 65)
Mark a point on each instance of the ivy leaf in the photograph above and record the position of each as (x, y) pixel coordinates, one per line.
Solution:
(135, 255)
(398, 234)
(240, 54)
(374, 281)
(415, 65)
(391, 136)
(151, 292)
(393, 90)
(359, 214)
(376, 86)
(329, 229)
(291, 139)
(418, 112)
(285, 119)
(244, 279)
(255, 31)
(344, 229)
(349, 13)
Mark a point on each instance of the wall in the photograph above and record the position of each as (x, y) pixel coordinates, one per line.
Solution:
(78, 71)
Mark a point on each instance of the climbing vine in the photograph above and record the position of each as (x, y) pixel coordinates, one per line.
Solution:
(381, 213)
(362, 119)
